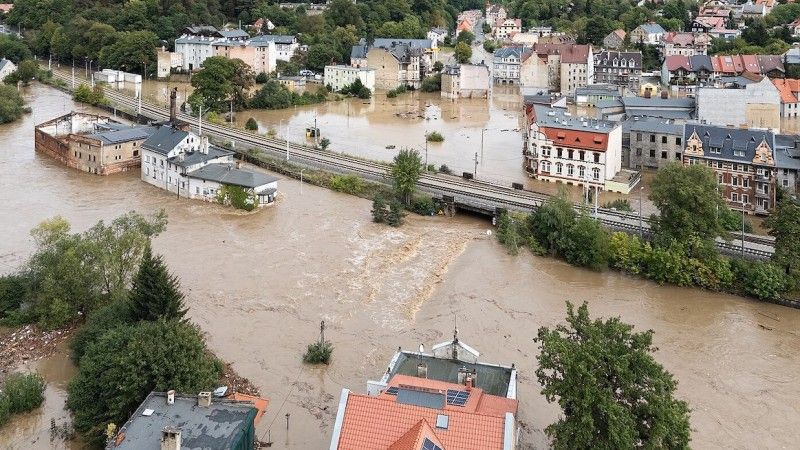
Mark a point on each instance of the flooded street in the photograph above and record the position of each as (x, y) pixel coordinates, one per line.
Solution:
(258, 285)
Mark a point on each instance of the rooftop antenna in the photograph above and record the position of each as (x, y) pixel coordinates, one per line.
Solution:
(455, 337)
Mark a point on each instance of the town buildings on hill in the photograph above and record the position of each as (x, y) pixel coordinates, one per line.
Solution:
(622, 69)
(557, 67)
(789, 89)
(685, 44)
(446, 399)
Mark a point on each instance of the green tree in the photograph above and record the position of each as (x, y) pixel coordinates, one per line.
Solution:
(784, 225)
(321, 55)
(155, 293)
(463, 52)
(218, 82)
(688, 202)
(612, 392)
(438, 66)
(136, 360)
(396, 214)
(131, 50)
(586, 244)
(405, 172)
(550, 222)
(26, 71)
(466, 37)
(251, 125)
(11, 104)
(13, 49)
(24, 391)
(432, 83)
(324, 143)
(115, 314)
(272, 95)
(378, 209)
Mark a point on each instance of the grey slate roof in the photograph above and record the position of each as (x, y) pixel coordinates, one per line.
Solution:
(652, 125)
(701, 62)
(119, 136)
(227, 174)
(598, 89)
(358, 51)
(641, 102)
(3, 63)
(276, 38)
(164, 139)
(561, 118)
(494, 380)
(606, 58)
(787, 152)
(201, 29)
(729, 140)
(234, 34)
(218, 426)
(413, 43)
(506, 52)
(191, 158)
(652, 28)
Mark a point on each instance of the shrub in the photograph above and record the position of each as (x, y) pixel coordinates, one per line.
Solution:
(586, 244)
(732, 221)
(349, 184)
(251, 125)
(550, 221)
(93, 96)
(237, 196)
(432, 83)
(25, 392)
(424, 206)
(627, 253)
(396, 214)
(378, 209)
(262, 78)
(619, 204)
(434, 136)
(13, 291)
(10, 104)
(115, 314)
(444, 169)
(396, 91)
(318, 353)
(5, 409)
(761, 280)
(324, 143)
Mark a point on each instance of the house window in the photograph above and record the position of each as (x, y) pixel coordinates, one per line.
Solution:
(638, 136)
(546, 166)
(734, 197)
(581, 172)
(570, 170)
(595, 173)
(663, 155)
(558, 152)
(136, 153)
(745, 198)
(596, 157)
(663, 139)
(785, 183)
(652, 153)
(560, 166)
(638, 152)
(678, 156)
(652, 138)
(570, 154)
(734, 181)
(746, 182)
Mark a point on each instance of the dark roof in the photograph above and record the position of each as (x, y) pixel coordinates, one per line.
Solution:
(231, 34)
(642, 102)
(652, 125)
(701, 62)
(128, 134)
(607, 57)
(207, 30)
(493, 379)
(413, 43)
(506, 52)
(358, 51)
(189, 159)
(227, 174)
(164, 139)
(728, 140)
(223, 424)
(276, 38)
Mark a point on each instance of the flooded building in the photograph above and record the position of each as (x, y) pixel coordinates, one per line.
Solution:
(577, 150)
(397, 62)
(170, 421)
(92, 143)
(339, 76)
(446, 399)
(466, 81)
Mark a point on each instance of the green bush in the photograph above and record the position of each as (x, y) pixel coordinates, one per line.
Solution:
(432, 83)
(357, 88)
(620, 204)
(10, 104)
(551, 221)
(5, 409)
(434, 136)
(251, 125)
(13, 292)
(318, 353)
(761, 280)
(732, 221)
(396, 214)
(262, 78)
(238, 197)
(349, 184)
(111, 316)
(93, 96)
(628, 252)
(424, 206)
(444, 169)
(396, 91)
(25, 392)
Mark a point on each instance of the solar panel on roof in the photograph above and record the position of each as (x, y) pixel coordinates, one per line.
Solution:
(427, 444)
(392, 390)
(457, 398)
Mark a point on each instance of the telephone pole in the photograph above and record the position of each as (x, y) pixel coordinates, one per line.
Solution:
(475, 171)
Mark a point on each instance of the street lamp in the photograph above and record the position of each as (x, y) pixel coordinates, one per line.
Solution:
(301, 181)
(742, 226)
(641, 230)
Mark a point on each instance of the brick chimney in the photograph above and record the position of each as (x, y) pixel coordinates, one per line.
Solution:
(204, 399)
(170, 438)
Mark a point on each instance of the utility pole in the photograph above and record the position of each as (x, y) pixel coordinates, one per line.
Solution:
(475, 171)
(482, 130)
(301, 181)
(641, 231)
(322, 333)
(426, 154)
(231, 118)
(200, 122)
(742, 227)
(287, 140)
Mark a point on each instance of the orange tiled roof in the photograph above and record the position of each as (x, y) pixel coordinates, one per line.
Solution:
(414, 438)
(478, 402)
(260, 403)
(376, 423)
(576, 139)
(788, 88)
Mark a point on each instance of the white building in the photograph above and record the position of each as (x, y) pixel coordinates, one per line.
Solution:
(181, 162)
(575, 150)
(437, 35)
(6, 68)
(285, 46)
(466, 81)
(507, 64)
(337, 77)
(504, 28)
(194, 50)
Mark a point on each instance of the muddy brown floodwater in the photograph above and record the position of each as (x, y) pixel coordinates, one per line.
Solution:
(258, 285)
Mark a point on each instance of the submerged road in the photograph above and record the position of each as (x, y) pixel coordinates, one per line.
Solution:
(469, 194)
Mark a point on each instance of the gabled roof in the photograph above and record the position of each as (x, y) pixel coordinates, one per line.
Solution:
(112, 137)
(276, 38)
(770, 62)
(701, 62)
(4, 62)
(676, 62)
(788, 88)
(507, 52)
(652, 28)
(729, 140)
(227, 174)
(164, 139)
(234, 34)
(570, 53)
(610, 55)
(619, 32)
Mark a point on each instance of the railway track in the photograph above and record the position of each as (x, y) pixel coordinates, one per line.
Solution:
(487, 195)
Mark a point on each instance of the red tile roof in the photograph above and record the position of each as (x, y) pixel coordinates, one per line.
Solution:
(576, 139)
(570, 53)
(789, 89)
(381, 423)
(751, 63)
(675, 62)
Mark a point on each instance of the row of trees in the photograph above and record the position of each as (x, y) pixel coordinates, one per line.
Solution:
(681, 250)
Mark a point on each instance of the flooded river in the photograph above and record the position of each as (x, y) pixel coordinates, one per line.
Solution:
(258, 285)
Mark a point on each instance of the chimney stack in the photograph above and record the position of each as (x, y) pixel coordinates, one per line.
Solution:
(171, 397)
(173, 100)
(204, 399)
(170, 438)
(204, 145)
(422, 370)
(462, 375)
(469, 382)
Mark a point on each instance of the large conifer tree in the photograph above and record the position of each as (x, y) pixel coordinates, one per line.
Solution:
(155, 293)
